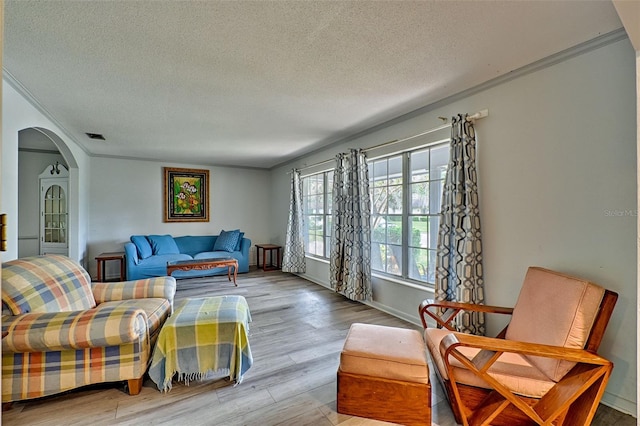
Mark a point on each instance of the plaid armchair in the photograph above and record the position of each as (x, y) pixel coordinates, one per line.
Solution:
(64, 332)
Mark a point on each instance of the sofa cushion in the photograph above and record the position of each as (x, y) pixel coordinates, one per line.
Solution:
(162, 259)
(143, 246)
(554, 309)
(163, 244)
(154, 266)
(41, 284)
(226, 241)
(216, 255)
(385, 352)
(192, 245)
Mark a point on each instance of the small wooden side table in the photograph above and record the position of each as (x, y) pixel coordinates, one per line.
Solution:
(273, 263)
(102, 258)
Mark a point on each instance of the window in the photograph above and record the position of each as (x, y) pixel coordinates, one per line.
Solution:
(316, 205)
(386, 186)
(406, 194)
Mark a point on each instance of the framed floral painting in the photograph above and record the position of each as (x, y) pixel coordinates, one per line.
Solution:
(186, 195)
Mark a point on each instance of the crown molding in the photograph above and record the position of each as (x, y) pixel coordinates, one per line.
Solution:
(564, 55)
(33, 101)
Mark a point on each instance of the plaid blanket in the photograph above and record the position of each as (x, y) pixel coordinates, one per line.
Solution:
(203, 335)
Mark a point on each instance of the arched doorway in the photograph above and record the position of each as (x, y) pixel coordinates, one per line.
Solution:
(39, 148)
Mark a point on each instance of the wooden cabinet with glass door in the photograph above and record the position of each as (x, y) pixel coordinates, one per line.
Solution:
(54, 224)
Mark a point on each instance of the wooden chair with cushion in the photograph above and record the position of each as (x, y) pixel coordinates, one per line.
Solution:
(541, 369)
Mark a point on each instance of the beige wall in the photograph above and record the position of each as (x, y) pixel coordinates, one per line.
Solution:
(128, 193)
(557, 171)
(629, 12)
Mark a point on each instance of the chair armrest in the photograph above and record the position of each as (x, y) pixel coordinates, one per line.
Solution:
(454, 340)
(162, 287)
(131, 254)
(245, 246)
(571, 396)
(431, 308)
(97, 327)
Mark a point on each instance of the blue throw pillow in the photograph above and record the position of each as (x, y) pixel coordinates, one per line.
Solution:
(163, 244)
(240, 237)
(226, 241)
(239, 244)
(143, 246)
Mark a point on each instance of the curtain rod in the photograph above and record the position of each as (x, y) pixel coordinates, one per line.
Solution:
(478, 115)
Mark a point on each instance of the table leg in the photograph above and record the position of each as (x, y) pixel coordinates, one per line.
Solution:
(100, 267)
(235, 274)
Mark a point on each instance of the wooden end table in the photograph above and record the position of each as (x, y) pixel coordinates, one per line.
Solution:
(205, 264)
(102, 258)
(270, 248)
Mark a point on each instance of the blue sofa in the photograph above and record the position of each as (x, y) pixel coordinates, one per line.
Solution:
(147, 255)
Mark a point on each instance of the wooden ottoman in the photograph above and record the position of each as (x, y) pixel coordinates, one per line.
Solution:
(383, 375)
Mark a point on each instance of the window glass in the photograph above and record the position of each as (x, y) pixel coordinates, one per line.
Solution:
(316, 204)
(405, 227)
(387, 207)
(420, 166)
(439, 161)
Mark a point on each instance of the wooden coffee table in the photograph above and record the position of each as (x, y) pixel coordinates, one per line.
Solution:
(205, 264)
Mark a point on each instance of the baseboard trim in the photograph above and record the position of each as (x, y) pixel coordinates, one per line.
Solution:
(380, 307)
(619, 404)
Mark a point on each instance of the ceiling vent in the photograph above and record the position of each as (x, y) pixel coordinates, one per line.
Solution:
(97, 136)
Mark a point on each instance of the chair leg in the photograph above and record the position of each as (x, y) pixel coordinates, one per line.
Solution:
(584, 408)
(135, 386)
(451, 397)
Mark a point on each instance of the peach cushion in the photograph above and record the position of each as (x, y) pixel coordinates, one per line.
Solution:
(554, 309)
(512, 370)
(385, 352)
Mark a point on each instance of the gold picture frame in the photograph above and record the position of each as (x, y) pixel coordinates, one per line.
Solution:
(186, 195)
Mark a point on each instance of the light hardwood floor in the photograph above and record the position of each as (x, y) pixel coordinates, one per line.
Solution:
(297, 333)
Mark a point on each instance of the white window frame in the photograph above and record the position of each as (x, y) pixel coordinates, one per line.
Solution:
(403, 257)
(323, 214)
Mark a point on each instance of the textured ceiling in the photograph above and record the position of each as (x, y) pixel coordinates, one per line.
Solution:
(257, 84)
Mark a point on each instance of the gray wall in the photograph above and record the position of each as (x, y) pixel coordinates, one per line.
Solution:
(126, 199)
(557, 171)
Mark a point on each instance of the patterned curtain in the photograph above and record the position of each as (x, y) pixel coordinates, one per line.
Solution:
(459, 256)
(350, 261)
(293, 259)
